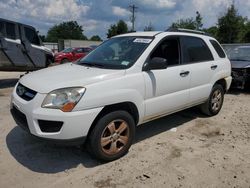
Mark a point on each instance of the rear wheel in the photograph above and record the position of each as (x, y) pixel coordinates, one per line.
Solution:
(112, 136)
(215, 101)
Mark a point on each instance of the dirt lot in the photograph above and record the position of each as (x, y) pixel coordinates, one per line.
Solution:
(201, 152)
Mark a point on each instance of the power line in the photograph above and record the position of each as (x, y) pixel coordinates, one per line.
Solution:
(133, 10)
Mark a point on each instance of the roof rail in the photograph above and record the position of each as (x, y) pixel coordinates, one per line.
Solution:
(187, 31)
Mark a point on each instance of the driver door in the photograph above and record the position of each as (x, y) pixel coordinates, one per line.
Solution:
(167, 90)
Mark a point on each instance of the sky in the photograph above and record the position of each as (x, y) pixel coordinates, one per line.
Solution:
(96, 16)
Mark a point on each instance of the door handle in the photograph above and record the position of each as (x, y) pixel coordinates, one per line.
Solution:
(184, 73)
(213, 67)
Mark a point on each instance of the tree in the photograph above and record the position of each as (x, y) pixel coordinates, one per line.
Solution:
(212, 31)
(66, 30)
(198, 21)
(117, 29)
(42, 37)
(95, 38)
(230, 26)
(188, 23)
(149, 27)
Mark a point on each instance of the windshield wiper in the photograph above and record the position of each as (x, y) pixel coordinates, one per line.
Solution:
(92, 65)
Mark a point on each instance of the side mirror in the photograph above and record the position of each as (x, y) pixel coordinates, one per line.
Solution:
(155, 64)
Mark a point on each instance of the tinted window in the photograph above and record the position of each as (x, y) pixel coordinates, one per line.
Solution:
(1, 28)
(195, 50)
(169, 50)
(218, 49)
(10, 30)
(32, 36)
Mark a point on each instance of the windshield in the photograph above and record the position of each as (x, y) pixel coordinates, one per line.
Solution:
(239, 53)
(117, 53)
(67, 50)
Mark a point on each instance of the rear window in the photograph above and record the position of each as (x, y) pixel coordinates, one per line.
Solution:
(10, 30)
(32, 36)
(195, 50)
(218, 49)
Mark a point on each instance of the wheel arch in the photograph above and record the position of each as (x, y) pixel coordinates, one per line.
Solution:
(129, 107)
(223, 83)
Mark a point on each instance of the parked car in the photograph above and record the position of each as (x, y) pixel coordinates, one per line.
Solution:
(127, 81)
(71, 54)
(21, 49)
(240, 61)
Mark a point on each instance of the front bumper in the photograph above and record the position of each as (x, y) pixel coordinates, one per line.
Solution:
(241, 77)
(30, 114)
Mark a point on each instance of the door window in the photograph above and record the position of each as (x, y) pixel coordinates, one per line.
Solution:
(1, 28)
(10, 30)
(79, 50)
(32, 36)
(195, 50)
(169, 50)
(218, 49)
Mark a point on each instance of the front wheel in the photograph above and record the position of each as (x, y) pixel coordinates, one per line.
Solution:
(112, 136)
(214, 102)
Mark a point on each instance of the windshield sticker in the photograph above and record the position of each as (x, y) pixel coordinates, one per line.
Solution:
(125, 63)
(142, 40)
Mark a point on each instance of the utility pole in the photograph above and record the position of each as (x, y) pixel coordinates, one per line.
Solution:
(133, 10)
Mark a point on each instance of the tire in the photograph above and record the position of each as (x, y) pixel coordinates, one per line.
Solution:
(64, 61)
(106, 142)
(215, 101)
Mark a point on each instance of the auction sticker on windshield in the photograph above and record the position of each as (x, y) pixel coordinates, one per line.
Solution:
(142, 40)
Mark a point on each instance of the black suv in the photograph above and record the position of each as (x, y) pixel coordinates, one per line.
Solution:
(21, 49)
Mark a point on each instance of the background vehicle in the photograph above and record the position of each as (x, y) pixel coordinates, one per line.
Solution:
(71, 54)
(21, 49)
(240, 60)
(128, 80)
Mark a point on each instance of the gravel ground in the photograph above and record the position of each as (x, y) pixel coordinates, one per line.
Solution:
(185, 149)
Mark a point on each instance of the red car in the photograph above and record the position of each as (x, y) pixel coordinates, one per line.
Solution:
(71, 54)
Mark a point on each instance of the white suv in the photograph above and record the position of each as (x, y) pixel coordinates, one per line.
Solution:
(128, 80)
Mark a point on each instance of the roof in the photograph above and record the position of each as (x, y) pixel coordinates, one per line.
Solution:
(141, 34)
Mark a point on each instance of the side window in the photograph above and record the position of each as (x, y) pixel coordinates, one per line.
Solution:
(32, 36)
(168, 49)
(1, 28)
(218, 49)
(195, 50)
(10, 30)
(87, 49)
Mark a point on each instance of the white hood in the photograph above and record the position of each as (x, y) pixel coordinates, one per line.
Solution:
(67, 75)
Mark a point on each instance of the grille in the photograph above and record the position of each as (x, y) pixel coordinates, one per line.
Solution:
(25, 93)
(19, 118)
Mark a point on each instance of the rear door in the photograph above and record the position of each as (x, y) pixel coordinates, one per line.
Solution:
(33, 46)
(11, 48)
(200, 61)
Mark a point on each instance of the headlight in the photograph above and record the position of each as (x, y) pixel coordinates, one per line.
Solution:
(64, 99)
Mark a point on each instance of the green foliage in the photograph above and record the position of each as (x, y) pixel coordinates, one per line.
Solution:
(198, 21)
(95, 38)
(42, 37)
(117, 29)
(188, 23)
(149, 27)
(213, 31)
(65, 30)
(231, 26)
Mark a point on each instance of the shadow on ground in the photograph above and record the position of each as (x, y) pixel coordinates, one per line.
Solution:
(7, 83)
(44, 157)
